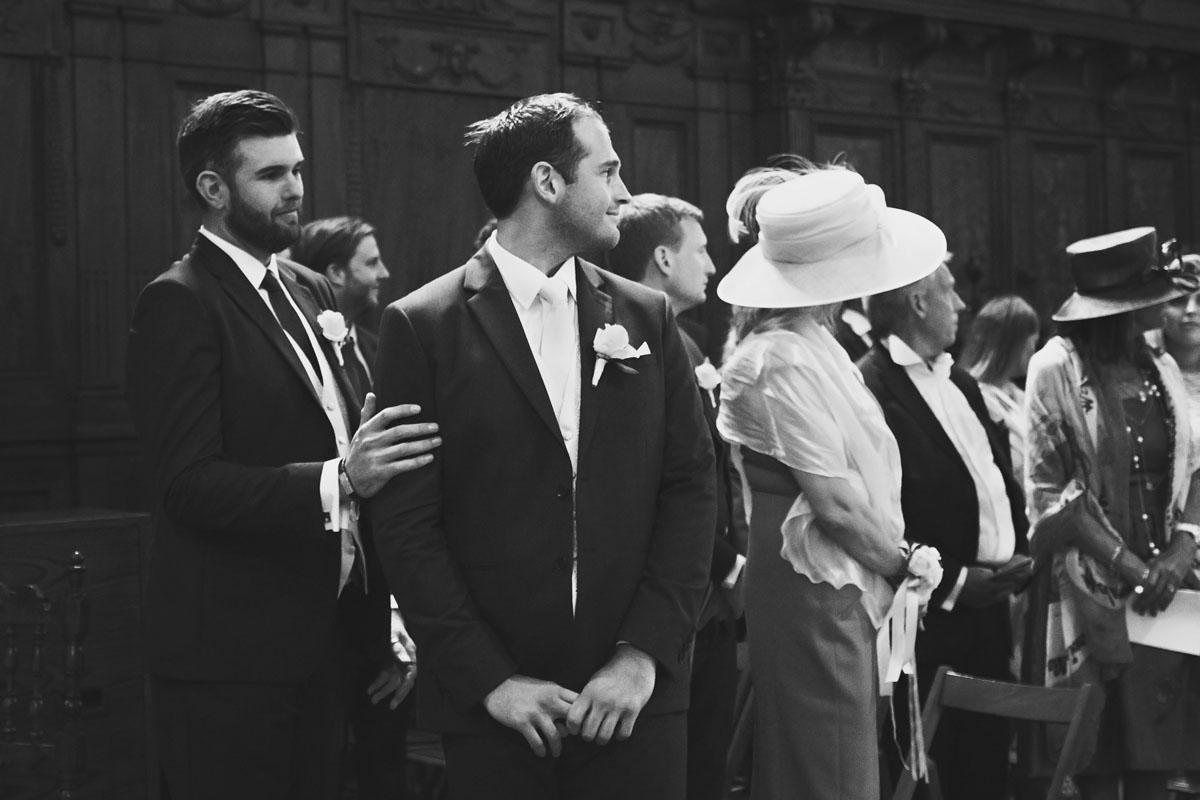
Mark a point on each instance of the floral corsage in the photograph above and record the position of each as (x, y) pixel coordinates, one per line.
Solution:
(612, 344)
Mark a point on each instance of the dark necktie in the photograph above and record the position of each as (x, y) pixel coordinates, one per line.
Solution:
(355, 369)
(289, 319)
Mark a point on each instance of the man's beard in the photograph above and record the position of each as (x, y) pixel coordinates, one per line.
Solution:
(260, 230)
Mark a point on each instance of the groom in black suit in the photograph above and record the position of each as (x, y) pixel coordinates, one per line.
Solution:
(250, 426)
(551, 567)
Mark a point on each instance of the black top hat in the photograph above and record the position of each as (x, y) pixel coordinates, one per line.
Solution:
(1119, 272)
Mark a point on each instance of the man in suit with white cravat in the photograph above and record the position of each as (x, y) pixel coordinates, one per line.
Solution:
(251, 429)
(958, 495)
(552, 568)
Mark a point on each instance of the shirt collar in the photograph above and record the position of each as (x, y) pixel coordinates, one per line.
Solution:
(523, 279)
(905, 356)
(251, 267)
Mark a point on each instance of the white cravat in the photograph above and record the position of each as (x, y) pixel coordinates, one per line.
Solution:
(997, 536)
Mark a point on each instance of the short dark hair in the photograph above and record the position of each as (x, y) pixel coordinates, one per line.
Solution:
(539, 128)
(997, 337)
(332, 240)
(211, 131)
(647, 221)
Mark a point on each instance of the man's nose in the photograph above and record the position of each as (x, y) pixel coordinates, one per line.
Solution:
(621, 194)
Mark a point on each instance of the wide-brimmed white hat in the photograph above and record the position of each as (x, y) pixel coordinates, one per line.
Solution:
(828, 236)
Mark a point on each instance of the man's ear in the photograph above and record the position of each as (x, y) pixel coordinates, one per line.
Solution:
(213, 189)
(546, 182)
(917, 302)
(662, 260)
(336, 275)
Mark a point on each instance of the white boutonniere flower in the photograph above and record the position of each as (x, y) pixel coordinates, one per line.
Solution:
(709, 378)
(612, 344)
(924, 571)
(334, 329)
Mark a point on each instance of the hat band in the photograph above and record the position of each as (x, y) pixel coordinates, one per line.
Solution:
(1173, 272)
(792, 238)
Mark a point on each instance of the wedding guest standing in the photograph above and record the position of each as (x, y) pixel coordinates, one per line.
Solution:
(996, 354)
(959, 496)
(552, 568)
(1108, 413)
(663, 246)
(823, 470)
(1181, 339)
(248, 425)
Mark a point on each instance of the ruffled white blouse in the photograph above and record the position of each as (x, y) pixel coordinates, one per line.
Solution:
(795, 396)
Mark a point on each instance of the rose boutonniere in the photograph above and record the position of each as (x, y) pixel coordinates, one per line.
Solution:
(612, 344)
(334, 329)
(709, 378)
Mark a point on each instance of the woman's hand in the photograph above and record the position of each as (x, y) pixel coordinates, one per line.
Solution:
(1168, 571)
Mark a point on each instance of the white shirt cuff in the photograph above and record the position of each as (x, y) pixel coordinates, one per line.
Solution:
(735, 573)
(952, 598)
(331, 495)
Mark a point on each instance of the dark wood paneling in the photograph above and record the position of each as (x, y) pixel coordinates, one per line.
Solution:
(1065, 206)
(965, 176)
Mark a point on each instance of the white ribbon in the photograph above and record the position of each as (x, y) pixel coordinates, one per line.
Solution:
(896, 649)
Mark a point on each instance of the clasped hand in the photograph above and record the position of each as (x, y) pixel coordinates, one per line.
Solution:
(608, 706)
(380, 449)
(1168, 572)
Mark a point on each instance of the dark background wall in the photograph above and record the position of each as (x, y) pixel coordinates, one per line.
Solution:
(1016, 126)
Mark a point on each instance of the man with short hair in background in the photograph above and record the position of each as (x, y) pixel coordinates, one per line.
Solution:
(663, 246)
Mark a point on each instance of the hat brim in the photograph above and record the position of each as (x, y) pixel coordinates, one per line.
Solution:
(1094, 305)
(908, 249)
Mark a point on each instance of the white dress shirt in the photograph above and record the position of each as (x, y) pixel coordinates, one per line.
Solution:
(997, 536)
(524, 281)
(340, 514)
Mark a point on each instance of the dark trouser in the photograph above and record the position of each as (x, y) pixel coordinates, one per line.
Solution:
(710, 713)
(499, 765)
(377, 755)
(235, 741)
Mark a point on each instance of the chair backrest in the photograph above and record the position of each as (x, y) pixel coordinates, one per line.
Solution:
(1069, 706)
(42, 629)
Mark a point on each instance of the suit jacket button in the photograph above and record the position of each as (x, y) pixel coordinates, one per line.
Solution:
(563, 493)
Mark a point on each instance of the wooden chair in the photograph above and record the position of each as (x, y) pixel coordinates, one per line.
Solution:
(1011, 700)
(41, 740)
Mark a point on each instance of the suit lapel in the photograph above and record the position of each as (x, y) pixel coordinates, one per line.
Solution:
(309, 309)
(246, 298)
(902, 388)
(595, 310)
(492, 306)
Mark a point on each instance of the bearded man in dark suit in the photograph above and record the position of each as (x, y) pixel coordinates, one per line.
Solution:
(258, 574)
(552, 567)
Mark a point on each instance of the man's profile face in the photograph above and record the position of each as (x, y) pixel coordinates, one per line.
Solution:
(691, 266)
(587, 215)
(364, 274)
(266, 191)
(942, 305)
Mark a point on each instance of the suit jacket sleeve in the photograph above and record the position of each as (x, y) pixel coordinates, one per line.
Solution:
(406, 520)
(665, 607)
(174, 378)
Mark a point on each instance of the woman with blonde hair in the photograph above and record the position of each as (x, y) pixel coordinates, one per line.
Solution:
(822, 473)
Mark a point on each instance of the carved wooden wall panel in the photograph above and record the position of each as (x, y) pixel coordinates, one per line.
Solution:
(966, 185)
(1156, 193)
(1066, 205)
(871, 152)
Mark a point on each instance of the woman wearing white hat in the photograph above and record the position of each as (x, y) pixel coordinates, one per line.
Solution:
(823, 475)
(1109, 435)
